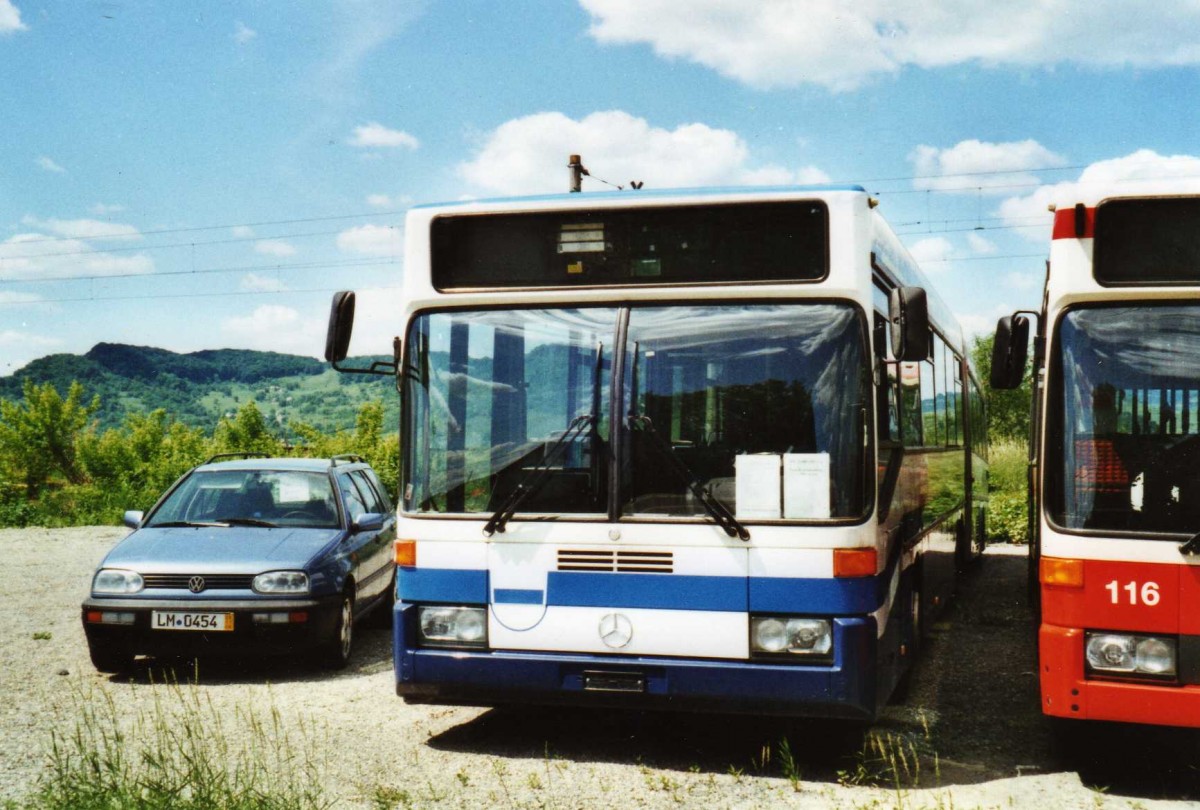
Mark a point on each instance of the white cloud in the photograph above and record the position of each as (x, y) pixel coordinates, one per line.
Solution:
(254, 282)
(529, 154)
(274, 247)
(83, 228)
(10, 18)
(242, 232)
(983, 322)
(375, 322)
(103, 210)
(1023, 281)
(980, 246)
(275, 328)
(839, 44)
(932, 249)
(35, 256)
(17, 349)
(973, 165)
(242, 33)
(385, 201)
(10, 297)
(10, 337)
(1143, 170)
(370, 240)
(376, 135)
(48, 164)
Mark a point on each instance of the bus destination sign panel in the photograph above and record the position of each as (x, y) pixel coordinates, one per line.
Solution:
(1148, 242)
(695, 244)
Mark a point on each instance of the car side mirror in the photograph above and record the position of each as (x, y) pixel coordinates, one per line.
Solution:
(341, 325)
(367, 522)
(908, 312)
(1009, 350)
(133, 518)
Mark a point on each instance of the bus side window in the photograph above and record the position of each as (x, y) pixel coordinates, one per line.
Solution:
(887, 405)
(932, 422)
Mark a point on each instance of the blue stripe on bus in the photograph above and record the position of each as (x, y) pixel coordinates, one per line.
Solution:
(517, 596)
(469, 586)
(792, 595)
(855, 595)
(663, 591)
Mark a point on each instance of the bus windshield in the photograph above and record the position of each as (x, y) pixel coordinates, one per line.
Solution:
(773, 395)
(1126, 456)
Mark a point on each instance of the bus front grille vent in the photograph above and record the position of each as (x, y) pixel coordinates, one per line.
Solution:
(622, 562)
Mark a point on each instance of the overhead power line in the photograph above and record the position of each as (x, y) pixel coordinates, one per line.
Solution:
(210, 270)
(179, 295)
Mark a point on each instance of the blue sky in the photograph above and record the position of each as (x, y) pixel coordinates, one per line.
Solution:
(203, 175)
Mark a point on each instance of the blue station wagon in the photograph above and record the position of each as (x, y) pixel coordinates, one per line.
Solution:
(256, 555)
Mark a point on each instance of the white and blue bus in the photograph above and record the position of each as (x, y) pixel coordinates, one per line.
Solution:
(716, 450)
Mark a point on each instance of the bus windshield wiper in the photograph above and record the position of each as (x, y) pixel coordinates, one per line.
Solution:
(717, 510)
(534, 478)
(1191, 546)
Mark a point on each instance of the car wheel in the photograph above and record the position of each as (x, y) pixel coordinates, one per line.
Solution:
(340, 643)
(110, 660)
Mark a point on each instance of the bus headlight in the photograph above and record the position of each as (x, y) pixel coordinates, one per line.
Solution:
(785, 635)
(1124, 654)
(452, 626)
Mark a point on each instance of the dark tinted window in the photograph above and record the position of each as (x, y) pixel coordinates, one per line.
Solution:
(785, 241)
(1124, 441)
(1148, 242)
(369, 495)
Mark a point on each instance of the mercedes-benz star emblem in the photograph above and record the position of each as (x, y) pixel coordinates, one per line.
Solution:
(616, 630)
(196, 584)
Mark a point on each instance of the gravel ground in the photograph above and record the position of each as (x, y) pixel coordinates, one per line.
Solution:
(968, 733)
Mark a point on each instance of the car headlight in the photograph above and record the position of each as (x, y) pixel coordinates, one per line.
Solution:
(452, 626)
(281, 582)
(117, 581)
(1125, 654)
(785, 635)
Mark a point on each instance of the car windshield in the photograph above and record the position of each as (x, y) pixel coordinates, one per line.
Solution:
(1126, 454)
(254, 497)
(744, 400)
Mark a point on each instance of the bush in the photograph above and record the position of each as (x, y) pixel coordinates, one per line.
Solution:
(1008, 509)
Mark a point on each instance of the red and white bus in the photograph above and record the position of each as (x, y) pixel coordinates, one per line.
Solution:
(1115, 456)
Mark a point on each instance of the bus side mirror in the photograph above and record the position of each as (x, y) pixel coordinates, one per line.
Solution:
(909, 314)
(1009, 350)
(341, 325)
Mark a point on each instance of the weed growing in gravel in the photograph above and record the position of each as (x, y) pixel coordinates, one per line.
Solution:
(176, 752)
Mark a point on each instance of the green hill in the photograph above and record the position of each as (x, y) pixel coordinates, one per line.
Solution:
(200, 387)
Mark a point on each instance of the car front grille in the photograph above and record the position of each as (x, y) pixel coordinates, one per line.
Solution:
(223, 582)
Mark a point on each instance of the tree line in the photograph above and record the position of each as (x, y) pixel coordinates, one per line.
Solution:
(59, 468)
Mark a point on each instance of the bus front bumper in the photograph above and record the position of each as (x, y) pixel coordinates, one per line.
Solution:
(845, 689)
(1068, 692)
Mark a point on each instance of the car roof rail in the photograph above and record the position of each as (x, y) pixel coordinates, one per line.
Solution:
(347, 458)
(220, 456)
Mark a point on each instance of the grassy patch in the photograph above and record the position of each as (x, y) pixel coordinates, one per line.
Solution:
(177, 752)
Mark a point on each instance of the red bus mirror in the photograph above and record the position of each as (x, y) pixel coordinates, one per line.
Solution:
(1009, 351)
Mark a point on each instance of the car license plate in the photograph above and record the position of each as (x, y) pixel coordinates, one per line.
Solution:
(211, 622)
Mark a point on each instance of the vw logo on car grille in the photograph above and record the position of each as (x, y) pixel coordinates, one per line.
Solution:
(196, 584)
(616, 630)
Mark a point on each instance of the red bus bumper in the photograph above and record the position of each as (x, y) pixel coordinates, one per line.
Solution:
(1067, 692)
